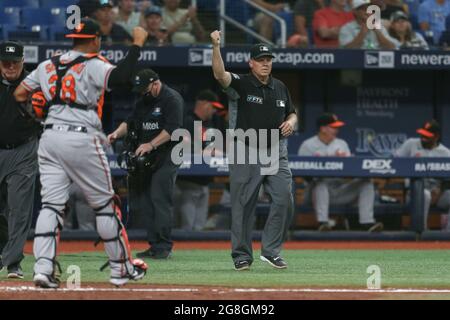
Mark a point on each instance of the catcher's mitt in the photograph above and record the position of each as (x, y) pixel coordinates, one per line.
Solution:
(39, 104)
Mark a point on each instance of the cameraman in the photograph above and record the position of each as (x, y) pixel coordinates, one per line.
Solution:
(158, 112)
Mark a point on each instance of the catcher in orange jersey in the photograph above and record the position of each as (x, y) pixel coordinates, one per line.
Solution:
(71, 148)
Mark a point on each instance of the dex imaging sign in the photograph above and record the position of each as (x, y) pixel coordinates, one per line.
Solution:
(378, 166)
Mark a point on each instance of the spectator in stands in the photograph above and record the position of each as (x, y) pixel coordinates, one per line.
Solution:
(432, 15)
(428, 146)
(88, 7)
(193, 191)
(182, 24)
(303, 16)
(357, 35)
(329, 191)
(328, 21)
(401, 30)
(262, 22)
(127, 17)
(111, 32)
(157, 34)
(391, 6)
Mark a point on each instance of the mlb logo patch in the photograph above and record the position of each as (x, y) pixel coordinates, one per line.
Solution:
(281, 103)
(10, 49)
(263, 48)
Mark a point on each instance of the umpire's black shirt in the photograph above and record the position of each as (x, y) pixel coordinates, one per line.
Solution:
(15, 129)
(165, 112)
(261, 106)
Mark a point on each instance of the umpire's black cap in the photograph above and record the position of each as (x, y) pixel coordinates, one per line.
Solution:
(11, 51)
(261, 50)
(143, 78)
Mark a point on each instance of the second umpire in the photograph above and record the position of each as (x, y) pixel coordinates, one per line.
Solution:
(264, 104)
(18, 159)
(157, 114)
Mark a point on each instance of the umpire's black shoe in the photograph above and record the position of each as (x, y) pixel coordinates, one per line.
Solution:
(150, 254)
(15, 271)
(161, 255)
(242, 265)
(276, 261)
(145, 254)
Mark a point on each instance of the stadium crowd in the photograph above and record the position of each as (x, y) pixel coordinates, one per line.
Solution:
(406, 24)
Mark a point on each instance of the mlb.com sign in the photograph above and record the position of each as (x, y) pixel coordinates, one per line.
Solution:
(200, 57)
(378, 166)
(379, 59)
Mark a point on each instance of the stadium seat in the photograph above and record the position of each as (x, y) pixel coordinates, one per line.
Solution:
(413, 18)
(288, 17)
(239, 11)
(33, 33)
(445, 39)
(57, 3)
(207, 5)
(20, 3)
(35, 16)
(58, 16)
(57, 33)
(413, 6)
(10, 16)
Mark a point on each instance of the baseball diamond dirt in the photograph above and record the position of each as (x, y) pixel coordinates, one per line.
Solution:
(159, 289)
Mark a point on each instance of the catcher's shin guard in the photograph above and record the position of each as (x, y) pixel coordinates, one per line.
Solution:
(112, 232)
(46, 238)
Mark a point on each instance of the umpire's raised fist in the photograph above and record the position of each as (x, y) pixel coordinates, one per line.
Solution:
(139, 36)
(215, 38)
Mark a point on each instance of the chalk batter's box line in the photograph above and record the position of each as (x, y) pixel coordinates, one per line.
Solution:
(222, 290)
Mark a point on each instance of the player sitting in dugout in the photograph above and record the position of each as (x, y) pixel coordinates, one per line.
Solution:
(428, 145)
(324, 192)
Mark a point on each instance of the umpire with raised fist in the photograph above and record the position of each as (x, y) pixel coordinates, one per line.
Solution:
(264, 104)
(18, 160)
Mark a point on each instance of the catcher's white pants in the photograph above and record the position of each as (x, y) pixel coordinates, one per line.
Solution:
(74, 157)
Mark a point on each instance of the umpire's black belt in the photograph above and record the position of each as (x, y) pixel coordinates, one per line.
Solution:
(66, 127)
(9, 146)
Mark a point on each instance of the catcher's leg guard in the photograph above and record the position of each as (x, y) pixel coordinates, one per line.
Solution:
(46, 238)
(113, 234)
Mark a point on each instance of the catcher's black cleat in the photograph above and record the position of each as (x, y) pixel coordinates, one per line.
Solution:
(140, 269)
(276, 261)
(45, 281)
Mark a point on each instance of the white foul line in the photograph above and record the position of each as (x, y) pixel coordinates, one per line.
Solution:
(221, 290)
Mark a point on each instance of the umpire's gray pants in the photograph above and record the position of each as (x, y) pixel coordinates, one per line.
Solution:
(18, 169)
(245, 182)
